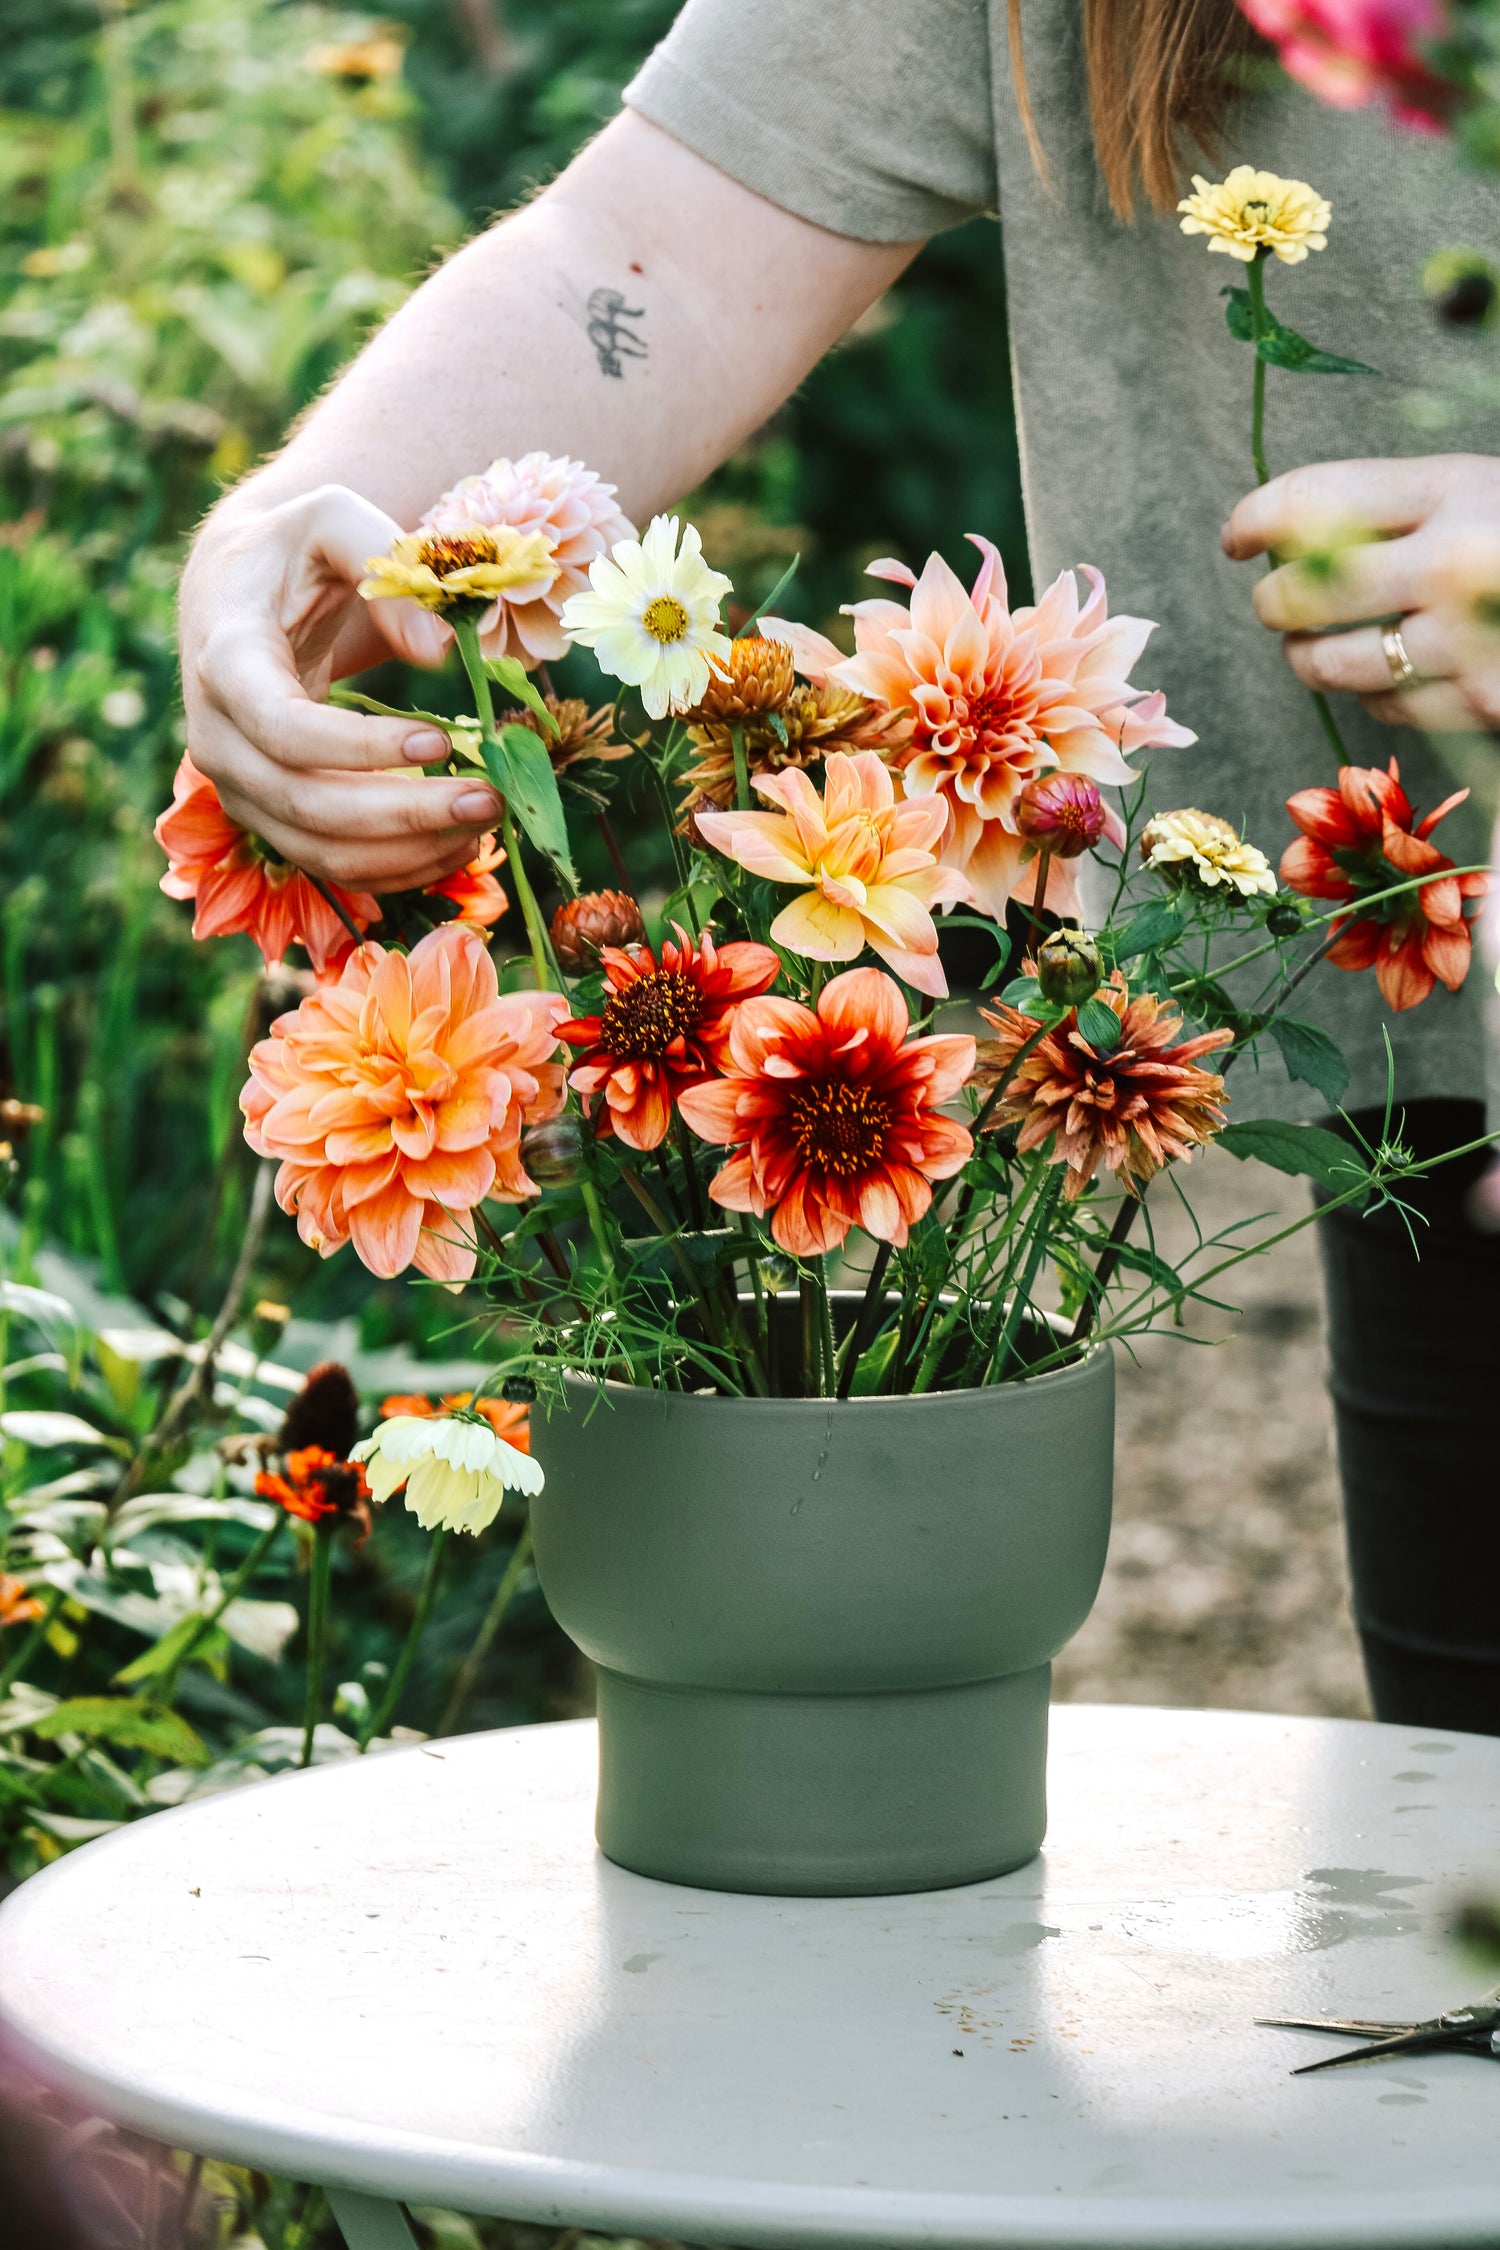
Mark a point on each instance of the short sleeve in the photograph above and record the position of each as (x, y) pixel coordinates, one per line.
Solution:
(873, 118)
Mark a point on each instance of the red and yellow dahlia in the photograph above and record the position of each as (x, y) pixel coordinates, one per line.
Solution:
(1363, 837)
(1131, 1109)
(661, 1030)
(238, 885)
(395, 1100)
(835, 1116)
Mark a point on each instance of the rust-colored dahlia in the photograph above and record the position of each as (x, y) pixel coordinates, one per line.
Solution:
(581, 732)
(316, 1484)
(582, 927)
(834, 1116)
(758, 676)
(1131, 1110)
(817, 717)
(662, 1028)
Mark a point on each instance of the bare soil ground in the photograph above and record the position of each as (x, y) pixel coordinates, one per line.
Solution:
(1226, 1581)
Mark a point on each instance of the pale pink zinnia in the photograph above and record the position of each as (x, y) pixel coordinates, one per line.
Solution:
(998, 697)
(574, 511)
(395, 1101)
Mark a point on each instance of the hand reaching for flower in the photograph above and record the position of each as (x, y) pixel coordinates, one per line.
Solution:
(1371, 541)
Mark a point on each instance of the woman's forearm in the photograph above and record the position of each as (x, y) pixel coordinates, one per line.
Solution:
(644, 314)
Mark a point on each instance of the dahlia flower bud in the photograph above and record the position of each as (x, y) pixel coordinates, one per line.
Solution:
(1069, 968)
(1061, 813)
(757, 675)
(582, 926)
(1284, 919)
(553, 1153)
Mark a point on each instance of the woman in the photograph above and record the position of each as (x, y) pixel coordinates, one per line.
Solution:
(776, 166)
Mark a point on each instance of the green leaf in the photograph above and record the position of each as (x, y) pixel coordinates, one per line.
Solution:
(507, 673)
(1158, 923)
(1237, 314)
(774, 596)
(1309, 1054)
(1283, 347)
(1308, 1152)
(1022, 993)
(128, 1722)
(166, 1653)
(1100, 1026)
(520, 768)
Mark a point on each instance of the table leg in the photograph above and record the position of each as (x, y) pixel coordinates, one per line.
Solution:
(368, 2224)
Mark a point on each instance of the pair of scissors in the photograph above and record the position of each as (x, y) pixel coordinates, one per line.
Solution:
(1474, 2030)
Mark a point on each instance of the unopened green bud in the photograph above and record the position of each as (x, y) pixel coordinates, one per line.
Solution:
(553, 1153)
(1283, 920)
(1069, 968)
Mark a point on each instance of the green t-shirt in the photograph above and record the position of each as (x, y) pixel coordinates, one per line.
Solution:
(889, 120)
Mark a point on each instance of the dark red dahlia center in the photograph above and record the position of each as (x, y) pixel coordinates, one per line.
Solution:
(840, 1128)
(651, 1015)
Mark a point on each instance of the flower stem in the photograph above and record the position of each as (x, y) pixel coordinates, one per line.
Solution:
(741, 767)
(1104, 1272)
(317, 1633)
(467, 1675)
(861, 1335)
(1255, 285)
(421, 1618)
(1034, 1247)
(830, 1353)
(807, 1291)
(548, 975)
(227, 1594)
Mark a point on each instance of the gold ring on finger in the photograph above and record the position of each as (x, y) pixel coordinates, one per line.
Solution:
(1402, 670)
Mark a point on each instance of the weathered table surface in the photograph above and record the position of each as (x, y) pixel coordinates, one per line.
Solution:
(412, 1978)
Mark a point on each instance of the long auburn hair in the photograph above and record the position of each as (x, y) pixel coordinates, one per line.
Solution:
(1157, 75)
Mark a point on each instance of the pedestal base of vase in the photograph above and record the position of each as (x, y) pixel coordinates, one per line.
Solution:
(823, 1795)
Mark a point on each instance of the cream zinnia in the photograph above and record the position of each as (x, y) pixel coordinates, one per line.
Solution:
(651, 616)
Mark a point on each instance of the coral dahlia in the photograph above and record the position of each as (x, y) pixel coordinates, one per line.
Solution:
(866, 866)
(1131, 1109)
(475, 889)
(1000, 696)
(662, 1028)
(237, 884)
(835, 1116)
(1363, 837)
(575, 515)
(395, 1100)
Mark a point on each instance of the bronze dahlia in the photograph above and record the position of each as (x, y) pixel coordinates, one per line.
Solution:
(759, 676)
(1130, 1110)
(581, 733)
(583, 926)
(816, 718)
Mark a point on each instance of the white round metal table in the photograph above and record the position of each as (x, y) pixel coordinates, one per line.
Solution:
(413, 1979)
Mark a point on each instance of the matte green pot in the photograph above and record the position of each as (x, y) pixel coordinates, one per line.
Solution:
(823, 1630)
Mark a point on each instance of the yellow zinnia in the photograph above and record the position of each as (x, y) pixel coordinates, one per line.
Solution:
(442, 568)
(1251, 211)
(1198, 848)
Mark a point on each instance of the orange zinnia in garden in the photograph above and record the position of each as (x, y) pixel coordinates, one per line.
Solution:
(17, 1606)
(513, 1423)
(1130, 1109)
(238, 885)
(834, 1116)
(1363, 837)
(662, 1028)
(316, 1484)
(395, 1101)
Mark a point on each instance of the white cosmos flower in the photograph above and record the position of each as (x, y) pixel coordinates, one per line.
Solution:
(456, 1470)
(651, 616)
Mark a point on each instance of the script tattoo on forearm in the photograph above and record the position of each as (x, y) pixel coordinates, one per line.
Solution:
(613, 339)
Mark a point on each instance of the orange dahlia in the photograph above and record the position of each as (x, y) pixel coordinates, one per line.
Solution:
(1131, 1108)
(395, 1100)
(238, 885)
(474, 889)
(1363, 837)
(662, 1028)
(835, 1116)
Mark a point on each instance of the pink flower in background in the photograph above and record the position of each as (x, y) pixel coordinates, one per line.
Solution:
(999, 697)
(574, 511)
(1353, 52)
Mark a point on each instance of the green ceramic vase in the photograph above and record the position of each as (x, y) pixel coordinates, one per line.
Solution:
(823, 1630)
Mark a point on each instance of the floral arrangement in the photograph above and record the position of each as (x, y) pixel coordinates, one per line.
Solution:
(742, 1139)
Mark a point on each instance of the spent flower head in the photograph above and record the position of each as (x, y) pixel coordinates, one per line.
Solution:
(1251, 213)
